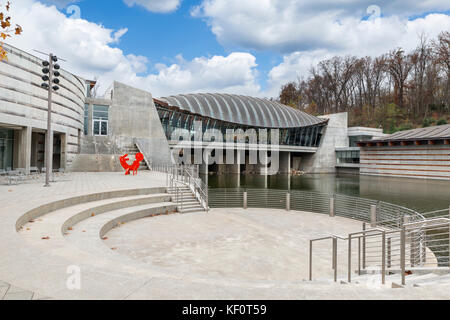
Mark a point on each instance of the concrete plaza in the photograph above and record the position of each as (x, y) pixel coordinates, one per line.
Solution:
(223, 254)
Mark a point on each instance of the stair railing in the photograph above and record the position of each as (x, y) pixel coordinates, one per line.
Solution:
(415, 244)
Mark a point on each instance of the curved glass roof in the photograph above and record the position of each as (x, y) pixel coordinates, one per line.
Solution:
(242, 110)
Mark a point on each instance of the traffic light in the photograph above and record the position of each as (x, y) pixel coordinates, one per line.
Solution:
(50, 76)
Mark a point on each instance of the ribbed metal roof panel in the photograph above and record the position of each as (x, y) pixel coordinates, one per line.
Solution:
(243, 110)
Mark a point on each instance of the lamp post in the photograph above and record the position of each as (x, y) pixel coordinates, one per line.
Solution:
(50, 83)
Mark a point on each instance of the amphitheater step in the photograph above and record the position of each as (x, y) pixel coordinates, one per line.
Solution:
(88, 234)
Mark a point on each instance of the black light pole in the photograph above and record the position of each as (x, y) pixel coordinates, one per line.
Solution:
(51, 80)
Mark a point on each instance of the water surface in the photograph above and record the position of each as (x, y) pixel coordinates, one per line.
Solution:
(418, 194)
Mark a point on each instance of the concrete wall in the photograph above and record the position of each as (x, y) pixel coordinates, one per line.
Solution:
(23, 102)
(412, 161)
(133, 118)
(336, 136)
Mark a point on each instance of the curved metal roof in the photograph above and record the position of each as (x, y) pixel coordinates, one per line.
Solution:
(242, 110)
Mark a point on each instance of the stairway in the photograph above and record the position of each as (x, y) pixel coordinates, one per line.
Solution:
(187, 201)
(414, 280)
(132, 151)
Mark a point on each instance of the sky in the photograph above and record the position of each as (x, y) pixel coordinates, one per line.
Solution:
(248, 47)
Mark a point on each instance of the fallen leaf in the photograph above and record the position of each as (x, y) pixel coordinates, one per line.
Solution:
(28, 229)
(31, 221)
(93, 214)
(45, 238)
(70, 228)
(105, 238)
(84, 230)
(113, 248)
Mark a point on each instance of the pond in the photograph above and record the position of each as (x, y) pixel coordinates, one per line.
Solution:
(418, 194)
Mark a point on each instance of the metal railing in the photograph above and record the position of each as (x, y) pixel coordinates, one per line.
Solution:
(393, 237)
(362, 209)
(187, 175)
(416, 244)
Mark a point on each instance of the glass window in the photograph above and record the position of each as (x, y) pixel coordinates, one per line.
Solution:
(100, 121)
(6, 148)
(86, 119)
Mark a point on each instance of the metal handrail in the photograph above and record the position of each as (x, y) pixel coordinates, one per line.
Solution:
(413, 232)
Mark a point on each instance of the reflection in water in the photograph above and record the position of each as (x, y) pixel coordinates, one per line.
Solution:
(417, 194)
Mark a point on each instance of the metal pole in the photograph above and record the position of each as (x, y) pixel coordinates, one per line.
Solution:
(389, 252)
(207, 188)
(359, 256)
(373, 216)
(349, 258)
(245, 199)
(310, 259)
(364, 247)
(332, 210)
(383, 257)
(402, 254)
(288, 201)
(335, 258)
(48, 139)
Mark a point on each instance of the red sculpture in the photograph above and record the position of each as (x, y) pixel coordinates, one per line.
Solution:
(135, 166)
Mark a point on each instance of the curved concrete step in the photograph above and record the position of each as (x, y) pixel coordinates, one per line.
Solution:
(113, 205)
(44, 209)
(88, 233)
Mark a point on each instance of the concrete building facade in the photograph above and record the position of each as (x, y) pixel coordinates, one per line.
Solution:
(23, 114)
(419, 153)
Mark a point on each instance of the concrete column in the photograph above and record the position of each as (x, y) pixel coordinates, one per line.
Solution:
(25, 149)
(90, 118)
(332, 209)
(63, 160)
(288, 201)
(373, 216)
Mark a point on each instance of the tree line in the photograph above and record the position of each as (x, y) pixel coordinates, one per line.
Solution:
(396, 91)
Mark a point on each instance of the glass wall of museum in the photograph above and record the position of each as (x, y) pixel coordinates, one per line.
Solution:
(171, 120)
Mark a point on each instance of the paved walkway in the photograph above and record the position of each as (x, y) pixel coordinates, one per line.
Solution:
(227, 254)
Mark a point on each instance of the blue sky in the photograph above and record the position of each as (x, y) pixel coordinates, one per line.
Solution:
(249, 47)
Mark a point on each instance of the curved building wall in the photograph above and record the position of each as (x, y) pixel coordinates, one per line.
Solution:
(23, 108)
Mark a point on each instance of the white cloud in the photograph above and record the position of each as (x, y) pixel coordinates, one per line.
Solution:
(366, 38)
(307, 31)
(161, 6)
(235, 73)
(297, 25)
(90, 51)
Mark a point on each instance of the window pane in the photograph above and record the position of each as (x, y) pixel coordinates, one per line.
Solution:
(96, 127)
(101, 112)
(104, 128)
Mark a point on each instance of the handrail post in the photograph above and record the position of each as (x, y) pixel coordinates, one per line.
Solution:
(449, 238)
(288, 201)
(364, 248)
(359, 255)
(349, 258)
(389, 252)
(245, 199)
(383, 258)
(332, 209)
(403, 253)
(310, 259)
(373, 216)
(335, 258)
